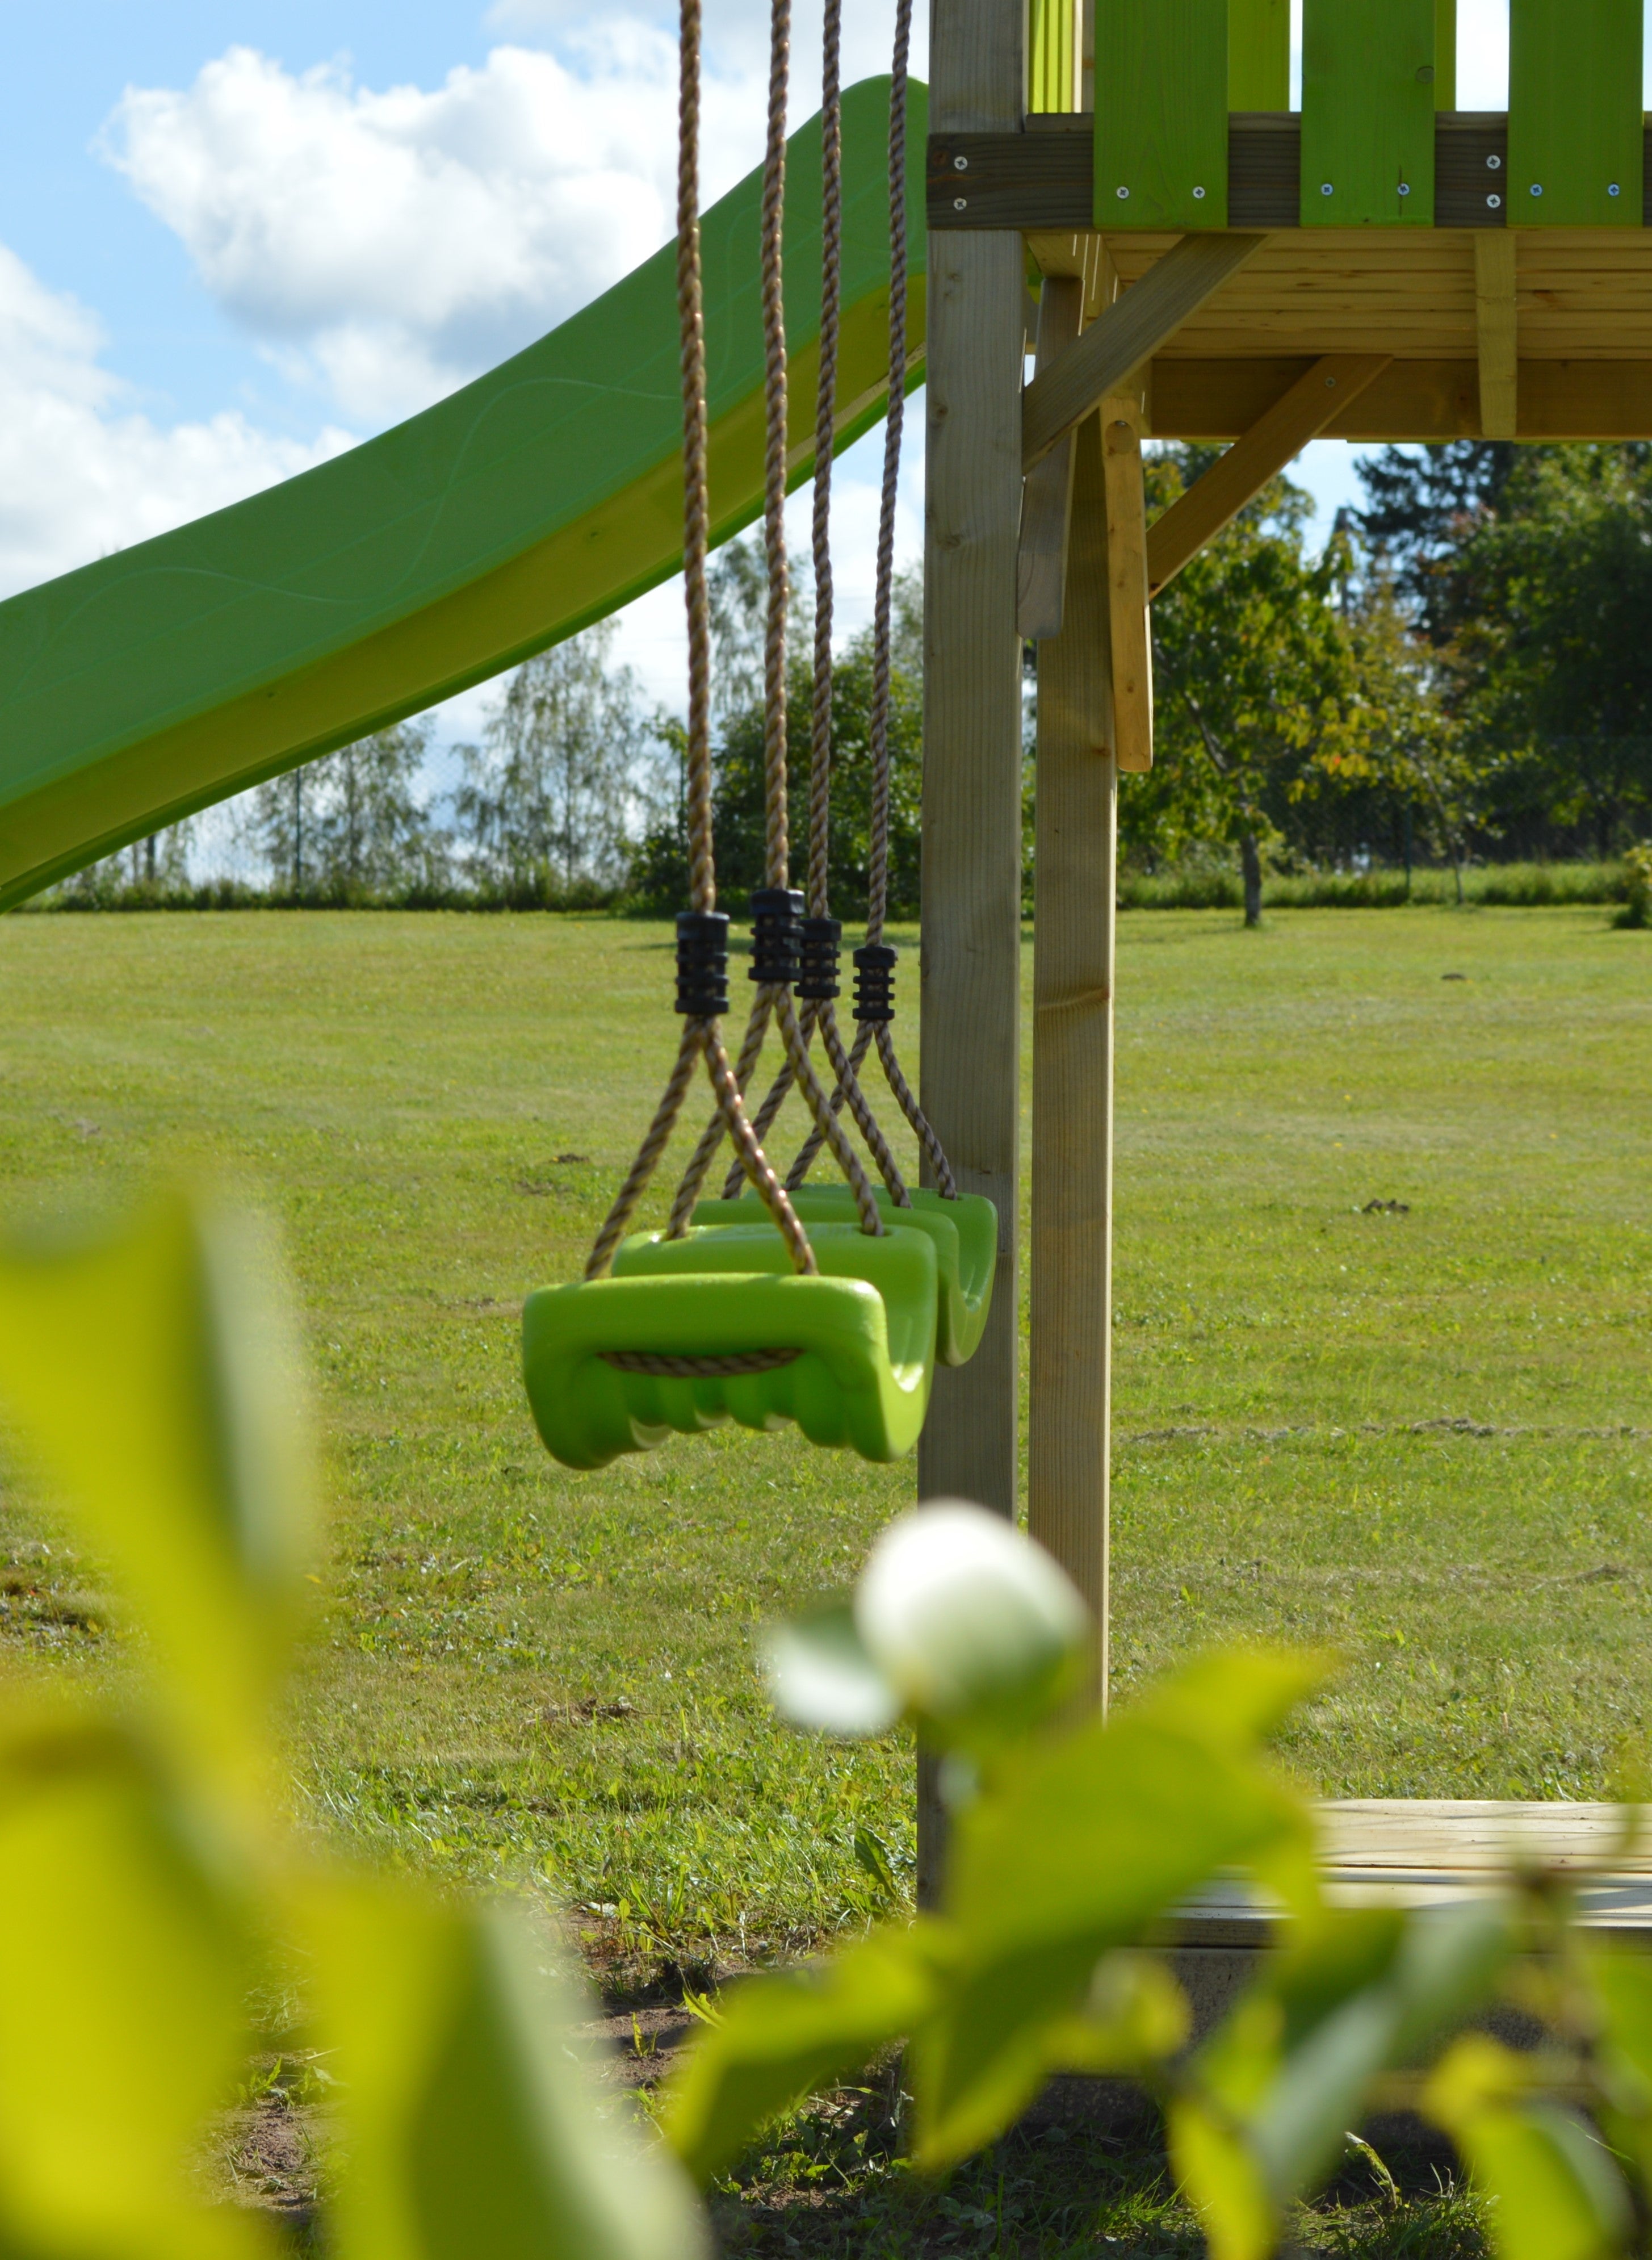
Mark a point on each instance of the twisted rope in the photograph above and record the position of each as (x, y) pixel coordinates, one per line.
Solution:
(894, 426)
(777, 867)
(703, 1037)
(825, 431)
(698, 1369)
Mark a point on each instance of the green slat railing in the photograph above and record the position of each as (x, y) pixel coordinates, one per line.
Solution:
(1574, 122)
(1052, 56)
(1259, 54)
(1368, 113)
(1445, 54)
(1162, 113)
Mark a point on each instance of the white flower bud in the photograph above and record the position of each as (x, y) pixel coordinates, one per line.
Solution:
(961, 1611)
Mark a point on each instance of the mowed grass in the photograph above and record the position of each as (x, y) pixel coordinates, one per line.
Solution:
(1423, 1437)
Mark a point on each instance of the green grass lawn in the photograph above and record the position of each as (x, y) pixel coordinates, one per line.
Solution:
(1423, 1436)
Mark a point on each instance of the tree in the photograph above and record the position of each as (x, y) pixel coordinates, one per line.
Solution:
(1424, 504)
(1401, 738)
(569, 769)
(739, 593)
(1251, 667)
(1556, 661)
(352, 824)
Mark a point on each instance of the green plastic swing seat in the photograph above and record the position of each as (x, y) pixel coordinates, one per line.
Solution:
(965, 1232)
(858, 1341)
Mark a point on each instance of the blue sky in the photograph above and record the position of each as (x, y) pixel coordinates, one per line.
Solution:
(236, 236)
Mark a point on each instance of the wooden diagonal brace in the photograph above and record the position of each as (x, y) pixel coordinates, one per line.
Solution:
(1127, 334)
(1297, 416)
(1047, 497)
(1130, 622)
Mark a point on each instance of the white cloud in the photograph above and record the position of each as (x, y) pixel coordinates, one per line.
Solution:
(81, 474)
(394, 244)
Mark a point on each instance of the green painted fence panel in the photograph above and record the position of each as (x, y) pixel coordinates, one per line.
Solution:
(1052, 56)
(1162, 113)
(1575, 123)
(1259, 54)
(1445, 54)
(1368, 113)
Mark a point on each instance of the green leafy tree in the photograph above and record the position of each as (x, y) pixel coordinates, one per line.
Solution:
(739, 595)
(1556, 663)
(570, 766)
(354, 825)
(1252, 680)
(1402, 748)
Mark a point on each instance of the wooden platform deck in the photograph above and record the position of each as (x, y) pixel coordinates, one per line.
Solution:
(1569, 310)
(1426, 1853)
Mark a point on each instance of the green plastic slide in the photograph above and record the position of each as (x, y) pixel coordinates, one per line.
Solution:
(539, 499)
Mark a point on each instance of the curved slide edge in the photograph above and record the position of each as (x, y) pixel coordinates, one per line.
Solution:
(537, 500)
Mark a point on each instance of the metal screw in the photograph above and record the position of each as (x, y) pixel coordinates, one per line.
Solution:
(1612, 190)
(1123, 192)
(1330, 385)
(1493, 163)
(1325, 188)
(1537, 188)
(961, 204)
(1200, 192)
(1404, 188)
(960, 164)
(1496, 203)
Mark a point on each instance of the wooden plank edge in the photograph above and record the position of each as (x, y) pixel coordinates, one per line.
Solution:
(1218, 398)
(1044, 179)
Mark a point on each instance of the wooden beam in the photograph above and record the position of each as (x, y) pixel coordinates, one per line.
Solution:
(1316, 398)
(1045, 176)
(1071, 1240)
(1130, 623)
(1496, 335)
(1220, 397)
(1125, 334)
(1047, 499)
(971, 901)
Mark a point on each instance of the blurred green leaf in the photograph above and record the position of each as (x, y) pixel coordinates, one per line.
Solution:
(121, 2023)
(1555, 2192)
(469, 2123)
(782, 2036)
(1079, 1846)
(1218, 2171)
(1349, 1996)
(1622, 1986)
(1134, 2017)
(821, 1677)
(150, 1371)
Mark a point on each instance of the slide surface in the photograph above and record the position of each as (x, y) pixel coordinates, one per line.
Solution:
(535, 501)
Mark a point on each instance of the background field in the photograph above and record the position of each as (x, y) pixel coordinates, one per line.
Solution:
(1422, 1434)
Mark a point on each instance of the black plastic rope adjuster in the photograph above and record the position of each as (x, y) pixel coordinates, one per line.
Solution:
(777, 912)
(702, 964)
(875, 981)
(821, 939)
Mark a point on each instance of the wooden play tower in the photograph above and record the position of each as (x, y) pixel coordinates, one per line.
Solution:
(1127, 195)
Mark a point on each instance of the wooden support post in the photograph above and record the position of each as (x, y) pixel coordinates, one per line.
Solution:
(972, 765)
(1126, 334)
(1300, 415)
(1495, 331)
(1072, 1063)
(1130, 623)
(1048, 497)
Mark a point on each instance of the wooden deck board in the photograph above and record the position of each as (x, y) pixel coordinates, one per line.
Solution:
(1438, 1852)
